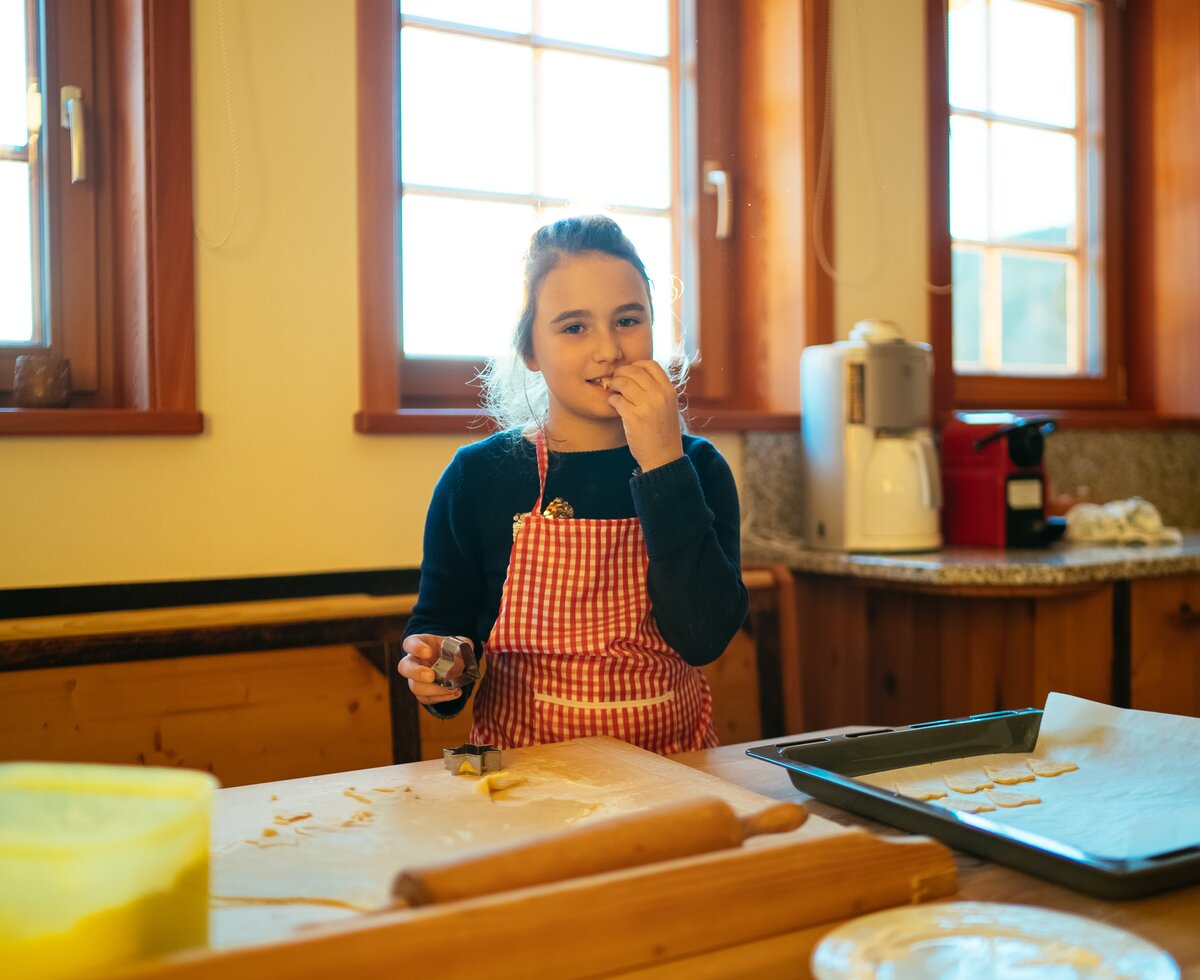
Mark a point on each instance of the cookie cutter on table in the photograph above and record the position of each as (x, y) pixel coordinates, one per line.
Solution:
(480, 758)
(451, 647)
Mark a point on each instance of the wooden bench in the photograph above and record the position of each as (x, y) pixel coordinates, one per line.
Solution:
(373, 625)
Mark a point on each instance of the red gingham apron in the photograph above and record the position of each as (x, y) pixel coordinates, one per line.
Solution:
(575, 650)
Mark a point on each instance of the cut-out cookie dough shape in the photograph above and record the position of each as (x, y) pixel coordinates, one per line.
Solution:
(1050, 767)
(1009, 799)
(966, 806)
(920, 791)
(1008, 777)
(967, 782)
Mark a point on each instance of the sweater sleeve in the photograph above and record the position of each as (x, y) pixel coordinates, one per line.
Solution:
(451, 587)
(689, 516)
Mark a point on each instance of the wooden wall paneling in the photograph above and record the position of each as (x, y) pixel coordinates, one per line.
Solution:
(1073, 645)
(832, 653)
(1165, 645)
(244, 717)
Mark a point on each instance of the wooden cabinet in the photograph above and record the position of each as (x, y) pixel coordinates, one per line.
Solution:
(883, 654)
(1164, 645)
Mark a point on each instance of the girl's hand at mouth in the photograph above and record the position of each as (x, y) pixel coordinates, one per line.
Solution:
(648, 405)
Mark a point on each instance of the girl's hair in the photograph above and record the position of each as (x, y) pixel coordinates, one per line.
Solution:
(514, 395)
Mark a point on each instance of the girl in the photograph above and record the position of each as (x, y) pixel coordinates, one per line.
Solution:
(591, 546)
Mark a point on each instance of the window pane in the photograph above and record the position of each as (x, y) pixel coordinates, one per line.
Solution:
(967, 297)
(968, 54)
(13, 73)
(16, 270)
(462, 275)
(1033, 62)
(628, 25)
(457, 131)
(1034, 301)
(968, 178)
(500, 15)
(1034, 185)
(607, 136)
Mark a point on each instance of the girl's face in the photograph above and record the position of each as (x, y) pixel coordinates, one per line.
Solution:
(593, 316)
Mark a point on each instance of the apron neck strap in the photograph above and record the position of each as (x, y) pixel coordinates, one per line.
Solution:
(543, 462)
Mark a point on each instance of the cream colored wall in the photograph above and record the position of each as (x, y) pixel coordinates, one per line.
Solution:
(880, 194)
(279, 482)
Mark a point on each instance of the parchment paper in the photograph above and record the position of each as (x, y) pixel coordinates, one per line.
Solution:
(1136, 793)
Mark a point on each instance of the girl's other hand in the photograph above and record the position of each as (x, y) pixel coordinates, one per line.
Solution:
(422, 652)
(649, 408)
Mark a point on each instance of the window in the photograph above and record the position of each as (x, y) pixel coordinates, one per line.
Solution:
(1034, 315)
(96, 231)
(579, 110)
(649, 110)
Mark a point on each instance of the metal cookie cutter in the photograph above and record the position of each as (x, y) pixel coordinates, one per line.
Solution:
(468, 757)
(452, 645)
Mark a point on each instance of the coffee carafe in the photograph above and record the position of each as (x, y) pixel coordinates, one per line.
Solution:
(870, 463)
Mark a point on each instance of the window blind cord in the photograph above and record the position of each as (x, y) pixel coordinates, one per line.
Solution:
(824, 157)
(234, 147)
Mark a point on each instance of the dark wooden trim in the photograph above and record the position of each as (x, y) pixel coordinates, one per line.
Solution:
(703, 420)
(941, 327)
(98, 421)
(74, 651)
(127, 596)
(818, 287)
(377, 34)
(171, 277)
(406, 421)
(1116, 418)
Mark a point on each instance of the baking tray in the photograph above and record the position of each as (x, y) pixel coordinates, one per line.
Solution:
(824, 768)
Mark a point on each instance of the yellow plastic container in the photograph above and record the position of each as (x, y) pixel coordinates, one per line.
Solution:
(100, 865)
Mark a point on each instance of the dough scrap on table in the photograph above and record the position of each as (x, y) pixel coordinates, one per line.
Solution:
(1050, 767)
(1006, 798)
(967, 782)
(966, 806)
(1008, 777)
(919, 791)
(492, 783)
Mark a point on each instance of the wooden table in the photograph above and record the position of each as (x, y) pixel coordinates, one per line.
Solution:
(1169, 919)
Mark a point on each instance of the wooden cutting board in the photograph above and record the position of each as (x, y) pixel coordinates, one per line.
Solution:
(296, 864)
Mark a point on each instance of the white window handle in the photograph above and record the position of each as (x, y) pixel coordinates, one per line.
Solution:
(71, 117)
(716, 181)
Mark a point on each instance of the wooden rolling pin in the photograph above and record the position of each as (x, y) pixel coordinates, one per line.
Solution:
(675, 831)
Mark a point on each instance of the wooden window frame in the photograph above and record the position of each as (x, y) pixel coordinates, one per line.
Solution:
(130, 293)
(1107, 391)
(762, 296)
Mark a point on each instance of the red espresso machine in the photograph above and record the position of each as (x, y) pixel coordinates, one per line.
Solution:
(993, 480)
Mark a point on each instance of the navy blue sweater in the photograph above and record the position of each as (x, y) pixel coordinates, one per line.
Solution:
(689, 515)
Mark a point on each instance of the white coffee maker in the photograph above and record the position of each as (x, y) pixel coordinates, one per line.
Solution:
(870, 464)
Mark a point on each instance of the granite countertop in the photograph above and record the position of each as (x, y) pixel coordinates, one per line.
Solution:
(1060, 564)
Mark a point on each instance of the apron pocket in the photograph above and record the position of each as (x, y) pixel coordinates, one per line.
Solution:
(650, 723)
